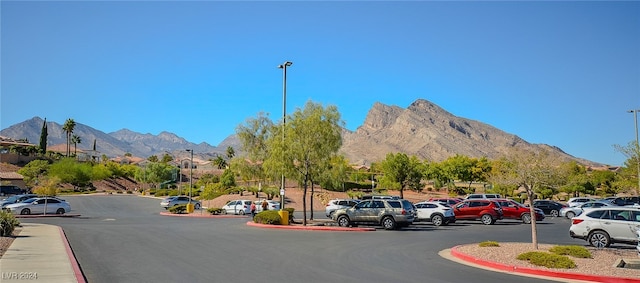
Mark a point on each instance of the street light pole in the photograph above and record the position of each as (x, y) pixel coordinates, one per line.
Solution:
(190, 174)
(283, 66)
(635, 120)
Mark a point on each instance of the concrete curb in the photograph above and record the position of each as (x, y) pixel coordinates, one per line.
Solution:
(207, 215)
(531, 271)
(315, 228)
(72, 258)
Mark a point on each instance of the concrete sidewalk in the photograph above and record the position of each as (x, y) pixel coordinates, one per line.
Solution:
(40, 253)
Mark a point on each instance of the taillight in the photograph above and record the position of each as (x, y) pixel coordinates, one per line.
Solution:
(404, 212)
(575, 221)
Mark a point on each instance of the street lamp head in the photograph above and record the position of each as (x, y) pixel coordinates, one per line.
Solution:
(286, 64)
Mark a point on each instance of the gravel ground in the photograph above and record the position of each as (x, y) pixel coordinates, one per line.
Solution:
(5, 242)
(602, 261)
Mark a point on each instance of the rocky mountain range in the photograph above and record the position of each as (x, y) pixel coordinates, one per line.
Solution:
(423, 129)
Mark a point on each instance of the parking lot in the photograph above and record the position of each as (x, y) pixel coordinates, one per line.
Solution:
(122, 238)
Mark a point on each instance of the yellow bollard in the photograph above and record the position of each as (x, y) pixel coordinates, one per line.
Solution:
(190, 207)
(284, 217)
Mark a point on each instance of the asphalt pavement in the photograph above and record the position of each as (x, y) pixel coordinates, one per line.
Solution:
(41, 252)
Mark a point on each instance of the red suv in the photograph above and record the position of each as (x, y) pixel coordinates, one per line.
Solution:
(487, 210)
(512, 209)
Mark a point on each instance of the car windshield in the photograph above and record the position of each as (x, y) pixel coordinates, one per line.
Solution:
(12, 199)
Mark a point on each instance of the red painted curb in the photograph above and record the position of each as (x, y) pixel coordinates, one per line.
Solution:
(526, 270)
(203, 215)
(315, 228)
(72, 258)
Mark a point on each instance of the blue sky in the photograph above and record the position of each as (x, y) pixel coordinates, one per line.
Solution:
(559, 73)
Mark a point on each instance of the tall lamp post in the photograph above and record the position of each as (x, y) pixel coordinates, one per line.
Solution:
(635, 119)
(283, 66)
(190, 174)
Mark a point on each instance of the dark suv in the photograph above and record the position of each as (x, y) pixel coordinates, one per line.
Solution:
(10, 190)
(487, 210)
(390, 213)
(549, 207)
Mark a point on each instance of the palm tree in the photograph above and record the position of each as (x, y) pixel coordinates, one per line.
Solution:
(220, 162)
(230, 152)
(75, 139)
(68, 127)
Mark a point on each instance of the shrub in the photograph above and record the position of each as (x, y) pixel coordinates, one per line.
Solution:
(547, 260)
(178, 209)
(489, 244)
(574, 251)
(268, 217)
(214, 210)
(290, 210)
(7, 223)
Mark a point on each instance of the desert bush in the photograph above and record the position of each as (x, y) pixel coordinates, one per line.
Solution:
(290, 210)
(489, 244)
(268, 217)
(8, 223)
(214, 210)
(178, 209)
(574, 251)
(548, 260)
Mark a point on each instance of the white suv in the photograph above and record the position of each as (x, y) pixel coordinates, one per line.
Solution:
(336, 204)
(483, 196)
(601, 227)
(435, 212)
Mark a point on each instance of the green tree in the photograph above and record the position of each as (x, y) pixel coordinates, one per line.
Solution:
(230, 152)
(219, 162)
(68, 127)
(44, 133)
(75, 139)
(530, 170)
(336, 174)
(628, 176)
(33, 171)
(153, 158)
(47, 187)
(166, 158)
(312, 136)
(401, 171)
(253, 135)
(72, 172)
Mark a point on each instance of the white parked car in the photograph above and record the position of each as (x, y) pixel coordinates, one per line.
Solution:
(578, 201)
(37, 206)
(336, 204)
(240, 206)
(435, 212)
(178, 200)
(601, 227)
(271, 205)
(573, 211)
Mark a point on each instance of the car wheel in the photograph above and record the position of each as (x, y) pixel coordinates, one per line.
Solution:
(60, 211)
(437, 220)
(570, 215)
(526, 218)
(599, 239)
(242, 212)
(343, 221)
(554, 213)
(388, 223)
(224, 211)
(197, 206)
(487, 219)
(25, 211)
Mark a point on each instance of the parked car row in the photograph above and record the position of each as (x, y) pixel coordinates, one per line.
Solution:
(243, 206)
(393, 213)
(27, 204)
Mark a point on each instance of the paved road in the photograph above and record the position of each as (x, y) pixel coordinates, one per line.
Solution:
(122, 238)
